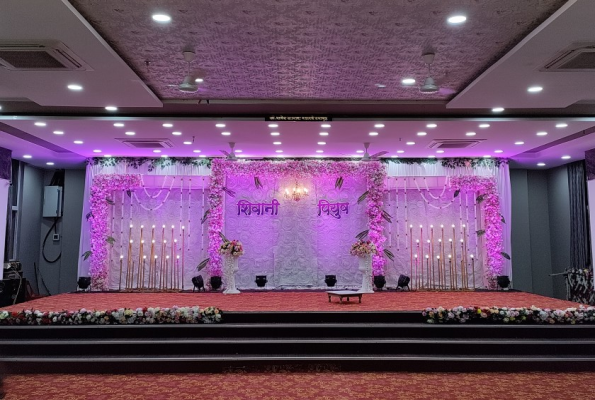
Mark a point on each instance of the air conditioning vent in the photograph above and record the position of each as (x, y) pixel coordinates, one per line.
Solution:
(147, 143)
(40, 56)
(576, 59)
(453, 143)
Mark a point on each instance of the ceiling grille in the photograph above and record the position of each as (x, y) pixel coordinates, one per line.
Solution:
(39, 56)
(575, 59)
(147, 143)
(453, 143)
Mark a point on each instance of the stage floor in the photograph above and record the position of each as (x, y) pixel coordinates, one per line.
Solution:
(292, 301)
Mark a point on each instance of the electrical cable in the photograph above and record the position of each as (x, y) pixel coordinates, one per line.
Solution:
(45, 240)
(38, 272)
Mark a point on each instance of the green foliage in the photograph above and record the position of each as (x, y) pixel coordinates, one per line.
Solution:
(339, 183)
(450, 162)
(502, 219)
(230, 192)
(362, 234)
(505, 255)
(480, 198)
(203, 264)
(457, 192)
(110, 240)
(387, 216)
(205, 216)
(480, 232)
(86, 255)
(110, 201)
(257, 182)
(152, 163)
(363, 197)
(223, 237)
(389, 254)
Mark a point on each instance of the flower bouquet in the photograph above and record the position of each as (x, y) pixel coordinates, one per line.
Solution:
(232, 248)
(363, 248)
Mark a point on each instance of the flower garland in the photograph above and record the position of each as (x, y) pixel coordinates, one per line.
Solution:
(507, 315)
(373, 171)
(118, 316)
(486, 187)
(101, 190)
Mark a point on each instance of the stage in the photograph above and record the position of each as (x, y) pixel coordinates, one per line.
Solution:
(287, 301)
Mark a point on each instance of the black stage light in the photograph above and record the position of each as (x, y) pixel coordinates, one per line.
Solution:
(198, 283)
(83, 283)
(503, 281)
(403, 282)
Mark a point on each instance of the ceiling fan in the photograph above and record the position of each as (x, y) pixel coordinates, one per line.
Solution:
(373, 157)
(430, 84)
(190, 82)
(231, 155)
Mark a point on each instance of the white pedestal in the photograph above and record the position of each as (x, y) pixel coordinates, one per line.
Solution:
(365, 266)
(230, 267)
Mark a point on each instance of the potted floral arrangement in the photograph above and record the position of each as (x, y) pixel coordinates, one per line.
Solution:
(231, 250)
(365, 249)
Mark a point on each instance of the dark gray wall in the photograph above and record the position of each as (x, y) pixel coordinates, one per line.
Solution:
(540, 229)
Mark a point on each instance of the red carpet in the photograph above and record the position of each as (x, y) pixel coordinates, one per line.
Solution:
(292, 301)
(293, 386)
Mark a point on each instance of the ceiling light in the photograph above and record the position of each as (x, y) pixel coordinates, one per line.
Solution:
(58, 132)
(273, 125)
(519, 143)
(373, 133)
(278, 151)
(199, 80)
(542, 133)
(470, 134)
(319, 151)
(321, 143)
(379, 126)
(27, 156)
(456, 19)
(196, 151)
(111, 108)
(541, 164)
(156, 151)
(431, 125)
(78, 142)
(178, 133)
(325, 125)
(421, 133)
(561, 125)
(408, 81)
(242, 155)
(487, 156)
(75, 87)
(118, 125)
(226, 133)
(168, 125)
(483, 126)
(276, 143)
(238, 151)
(498, 151)
(380, 85)
(534, 89)
(130, 133)
(565, 157)
(96, 151)
(187, 142)
(394, 156)
(40, 124)
(0, 107)
(322, 134)
(400, 151)
(410, 143)
(50, 163)
(275, 133)
(497, 109)
(202, 155)
(431, 156)
(280, 155)
(439, 151)
(220, 125)
(161, 18)
(163, 156)
(359, 151)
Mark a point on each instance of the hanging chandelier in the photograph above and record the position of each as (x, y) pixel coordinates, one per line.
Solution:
(296, 193)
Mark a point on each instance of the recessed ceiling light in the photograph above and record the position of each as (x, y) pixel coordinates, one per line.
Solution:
(58, 132)
(75, 87)
(408, 81)
(202, 155)
(280, 155)
(226, 133)
(278, 151)
(380, 85)
(470, 134)
(40, 124)
(176, 133)
(373, 133)
(163, 156)
(542, 133)
(456, 19)
(439, 151)
(161, 18)
(118, 125)
(319, 151)
(498, 151)
(111, 108)
(199, 80)
(378, 125)
(273, 125)
(168, 125)
(220, 125)
(187, 142)
(156, 151)
(49, 163)
(410, 143)
(78, 142)
(27, 156)
(565, 157)
(322, 143)
(519, 143)
(400, 151)
(534, 89)
(276, 143)
(483, 126)
(541, 164)
(561, 125)
(97, 151)
(242, 155)
(323, 133)
(431, 156)
(0, 107)
(318, 155)
(238, 151)
(497, 109)
(487, 156)
(196, 151)
(130, 133)
(275, 133)
(421, 133)
(431, 125)
(394, 156)
(325, 125)
(359, 151)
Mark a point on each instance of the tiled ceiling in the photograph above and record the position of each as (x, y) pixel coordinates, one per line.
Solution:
(309, 49)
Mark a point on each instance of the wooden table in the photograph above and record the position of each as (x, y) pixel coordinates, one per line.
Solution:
(344, 293)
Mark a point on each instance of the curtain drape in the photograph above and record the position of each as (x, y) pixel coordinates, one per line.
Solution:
(580, 241)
